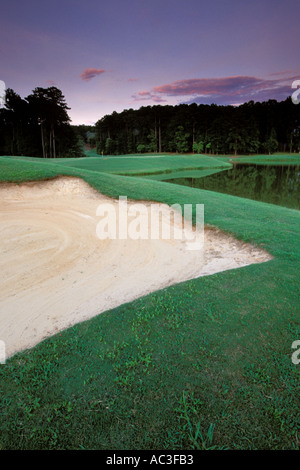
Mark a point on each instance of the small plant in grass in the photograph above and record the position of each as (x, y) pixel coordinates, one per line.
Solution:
(188, 411)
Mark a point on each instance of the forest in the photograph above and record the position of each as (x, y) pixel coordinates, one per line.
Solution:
(250, 128)
(39, 126)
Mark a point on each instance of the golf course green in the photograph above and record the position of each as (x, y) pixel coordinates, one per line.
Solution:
(204, 364)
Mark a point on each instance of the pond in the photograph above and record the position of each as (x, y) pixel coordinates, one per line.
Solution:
(278, 185)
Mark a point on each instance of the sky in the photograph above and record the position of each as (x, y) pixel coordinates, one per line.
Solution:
(112, 55)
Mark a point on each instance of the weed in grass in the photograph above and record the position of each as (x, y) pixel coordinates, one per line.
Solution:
(189, 410)
(257, 374)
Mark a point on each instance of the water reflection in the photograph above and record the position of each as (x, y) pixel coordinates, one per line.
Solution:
(273, 184)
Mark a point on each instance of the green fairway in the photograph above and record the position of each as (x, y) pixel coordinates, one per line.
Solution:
(155, 166)
(135, 165)
(277, 159)
(206, 364)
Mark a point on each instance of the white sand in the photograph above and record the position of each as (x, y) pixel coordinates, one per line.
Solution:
(55, 272)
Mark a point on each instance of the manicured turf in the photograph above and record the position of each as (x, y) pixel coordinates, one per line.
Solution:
(158, 167)
(134, 165)
(276, 159)
(204, 364)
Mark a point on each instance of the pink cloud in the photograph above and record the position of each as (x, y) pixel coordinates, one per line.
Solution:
(224, 90)
(210, 86)
(284, 72)
(158, 99)
(88, 74)
(148, 96)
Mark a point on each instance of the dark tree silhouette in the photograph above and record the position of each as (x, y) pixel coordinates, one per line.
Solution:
(50, 110)
(202, 128)
(38, 125)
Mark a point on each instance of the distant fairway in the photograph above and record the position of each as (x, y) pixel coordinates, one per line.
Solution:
(146, 165)
(275, 159)
(126, 165)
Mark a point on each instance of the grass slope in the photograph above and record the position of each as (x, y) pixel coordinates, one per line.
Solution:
(205, 364)
(275, 159)
(133, 165)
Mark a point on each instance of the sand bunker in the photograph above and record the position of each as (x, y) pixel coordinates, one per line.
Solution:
(55, 272)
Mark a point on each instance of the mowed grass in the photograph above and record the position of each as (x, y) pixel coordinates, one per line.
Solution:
(148, 165)
(275, 159)
(206, 364)
(137, 165)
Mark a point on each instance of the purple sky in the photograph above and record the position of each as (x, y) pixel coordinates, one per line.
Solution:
(112, 55)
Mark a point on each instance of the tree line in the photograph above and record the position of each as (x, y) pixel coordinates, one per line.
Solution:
(250, 128)
(38, 125)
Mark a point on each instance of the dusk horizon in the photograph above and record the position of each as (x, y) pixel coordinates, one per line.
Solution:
(125, 55)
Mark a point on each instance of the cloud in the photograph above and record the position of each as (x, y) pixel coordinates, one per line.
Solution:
(88, 74)
(284, 72)
(144, 93)
(148, 96)
(224, 91)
